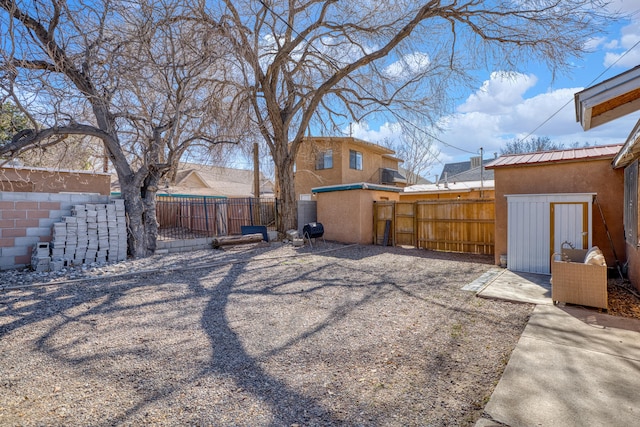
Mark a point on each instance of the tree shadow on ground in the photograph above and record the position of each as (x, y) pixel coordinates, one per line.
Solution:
(210, 288)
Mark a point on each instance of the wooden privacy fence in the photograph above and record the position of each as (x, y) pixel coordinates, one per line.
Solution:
(442, 225)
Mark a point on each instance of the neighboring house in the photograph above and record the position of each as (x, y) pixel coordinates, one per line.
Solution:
(449, 190)
(461, 180)
(466, 171)
(600, 104)
(331, 161)
(194, 179)
(545, 199)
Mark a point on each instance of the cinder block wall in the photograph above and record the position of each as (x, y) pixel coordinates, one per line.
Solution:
(26, 219)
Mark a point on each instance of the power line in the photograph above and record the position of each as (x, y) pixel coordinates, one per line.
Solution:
(589, 84)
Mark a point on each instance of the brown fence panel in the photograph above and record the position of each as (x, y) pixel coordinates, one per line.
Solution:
(405, 223)
(456, 225)
(449, 225)
(383, 212)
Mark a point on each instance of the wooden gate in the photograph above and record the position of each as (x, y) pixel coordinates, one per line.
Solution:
(443, 225)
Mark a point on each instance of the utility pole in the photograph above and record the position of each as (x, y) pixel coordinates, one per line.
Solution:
(256, 171)
(481, 173)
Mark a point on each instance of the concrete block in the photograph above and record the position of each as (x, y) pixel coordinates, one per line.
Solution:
(38, 231)
(7, 262)
(16, 251)
(41, 249)
(63, 198)
(26, 241)
(57, 252)
(56, 265)
(58, 214)
(46, 222)
(39, 197)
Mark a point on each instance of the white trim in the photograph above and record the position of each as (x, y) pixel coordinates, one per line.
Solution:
(549, 196)
(603, 92)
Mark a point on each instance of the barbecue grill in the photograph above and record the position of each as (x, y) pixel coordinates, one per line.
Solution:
(313, 230)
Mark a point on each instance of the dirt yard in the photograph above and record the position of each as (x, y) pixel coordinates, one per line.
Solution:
(261, 336)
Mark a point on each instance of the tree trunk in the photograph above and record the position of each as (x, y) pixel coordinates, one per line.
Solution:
(149, 217)
(150, 222)
(286, 195)
(137, 241)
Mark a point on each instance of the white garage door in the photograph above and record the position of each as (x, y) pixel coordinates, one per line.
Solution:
(538, 225)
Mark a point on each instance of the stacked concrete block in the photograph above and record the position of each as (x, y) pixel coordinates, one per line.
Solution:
(93, 233)
(40, 259)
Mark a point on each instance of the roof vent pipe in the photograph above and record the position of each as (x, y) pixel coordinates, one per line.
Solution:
(446, 183)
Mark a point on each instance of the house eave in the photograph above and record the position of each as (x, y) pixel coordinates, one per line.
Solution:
(630, 151)
(609, 100)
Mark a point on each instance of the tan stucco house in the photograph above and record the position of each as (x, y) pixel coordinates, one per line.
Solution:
(600, 104)
(330, 161)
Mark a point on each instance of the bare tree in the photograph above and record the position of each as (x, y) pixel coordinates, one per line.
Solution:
(147, 86)
(316, 65)
(531, 145)
(417, 150)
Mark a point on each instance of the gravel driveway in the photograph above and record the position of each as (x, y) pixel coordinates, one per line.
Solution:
(256, 336)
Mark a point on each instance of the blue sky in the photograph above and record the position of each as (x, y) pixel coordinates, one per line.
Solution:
(501, 109)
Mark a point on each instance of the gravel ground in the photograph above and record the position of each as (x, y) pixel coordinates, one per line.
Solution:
(255, 336)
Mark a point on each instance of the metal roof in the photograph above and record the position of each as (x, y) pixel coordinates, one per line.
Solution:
(451, 187)
(556, 156)
(356, 186)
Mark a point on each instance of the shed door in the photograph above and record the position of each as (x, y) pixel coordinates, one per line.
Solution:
(539, 224)
(528, 239)
(569, 225)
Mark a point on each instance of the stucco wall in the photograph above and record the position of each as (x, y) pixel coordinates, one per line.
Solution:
(633, 266)
(594, 176)
(347, 216)
(38, 180)
(307, 176)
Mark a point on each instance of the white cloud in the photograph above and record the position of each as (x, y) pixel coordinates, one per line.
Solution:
(624, 6)
(595, 42)
(625, 51)
(498, 112)
(361, 130)
(409, 65)
(499, 93)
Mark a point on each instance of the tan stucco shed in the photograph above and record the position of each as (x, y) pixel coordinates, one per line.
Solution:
(346, 211)
(563, 172)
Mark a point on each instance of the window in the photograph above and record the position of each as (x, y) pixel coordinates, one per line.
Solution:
(355, 160)
(324, 160)
(631, 203)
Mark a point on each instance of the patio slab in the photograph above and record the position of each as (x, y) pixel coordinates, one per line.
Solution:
(567, 372)
(519, 287)
(573, 366)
